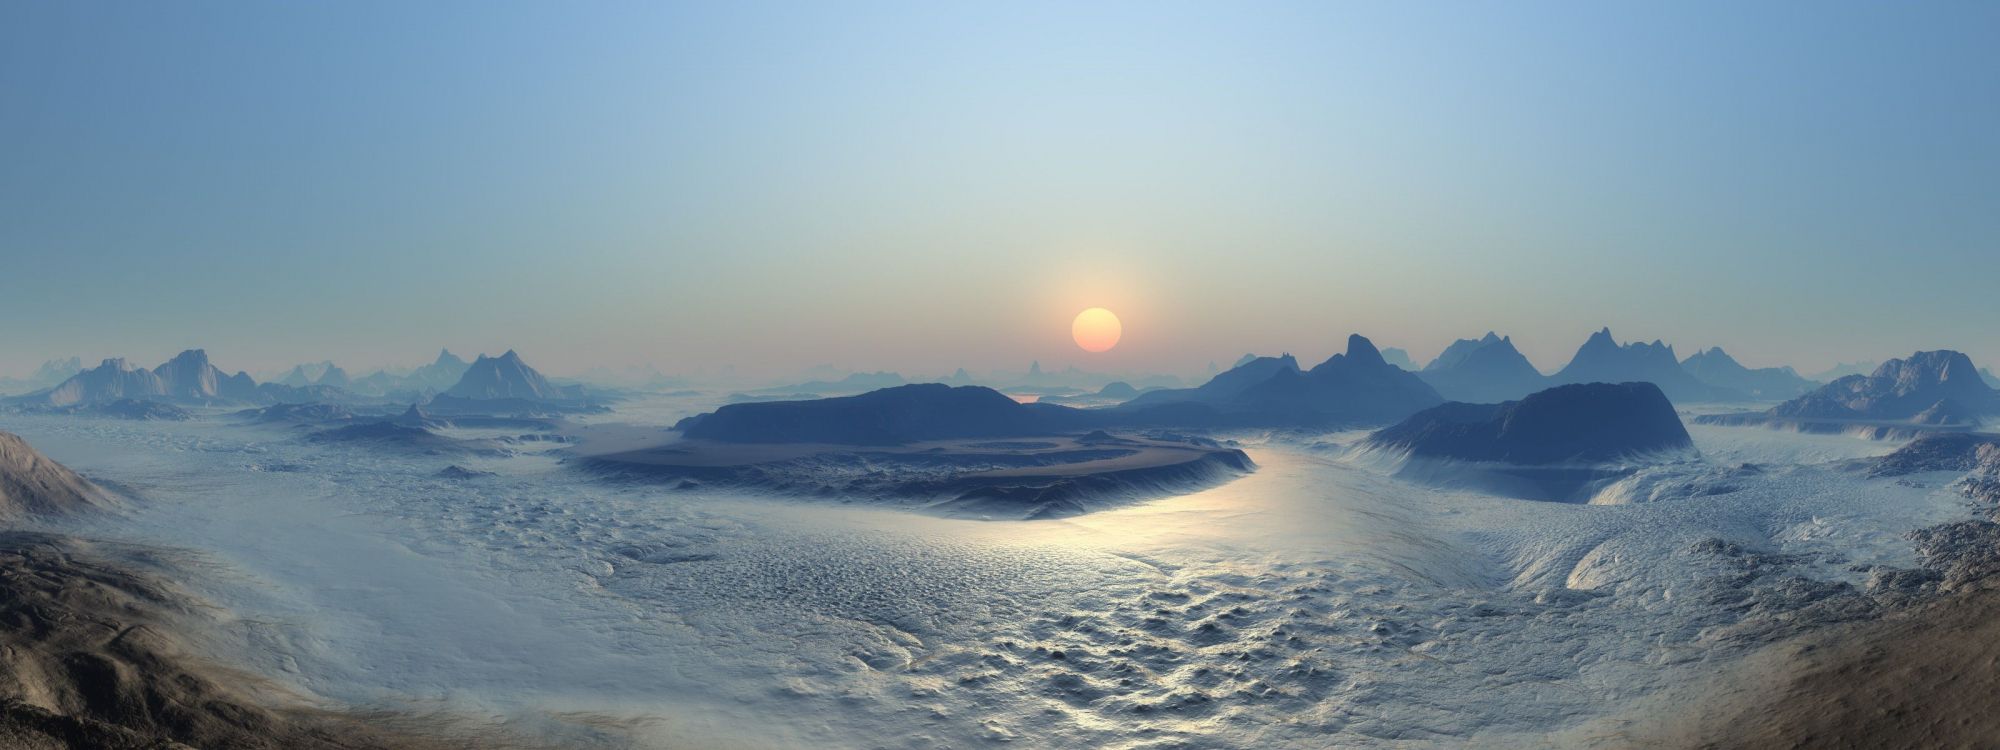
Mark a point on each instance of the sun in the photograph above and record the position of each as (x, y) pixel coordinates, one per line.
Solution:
(1096, 330)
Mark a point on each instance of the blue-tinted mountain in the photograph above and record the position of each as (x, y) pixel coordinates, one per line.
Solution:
(1602, 359)
(317, 373)
(1715, 367)
(851, 383)
(1484, 370)
(1399, 358)
(1844, 369)
(334, 376)
(440, 374)
(1933, 385)
(1586, 423)
(1992, 380)
(504, 377)
(1226, 386)
(903, 414)
(1355, 387)
(1118, 389)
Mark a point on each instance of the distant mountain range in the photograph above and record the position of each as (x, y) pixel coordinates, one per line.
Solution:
(506, 377)
(438, 376)
(1399, 358)
(190, 379)
(1485, 370)
(1715, 367)
(1355, 387)
(1934, 389)
(1602, 359)
(1490, 369)
(50, 373)
(1845, 369)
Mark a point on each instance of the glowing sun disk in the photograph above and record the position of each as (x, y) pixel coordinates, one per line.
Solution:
(1096, 330)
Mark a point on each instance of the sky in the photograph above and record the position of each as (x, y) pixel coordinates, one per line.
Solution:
(923, 186)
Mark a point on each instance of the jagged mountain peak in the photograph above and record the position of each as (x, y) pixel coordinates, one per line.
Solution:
(1363, 351)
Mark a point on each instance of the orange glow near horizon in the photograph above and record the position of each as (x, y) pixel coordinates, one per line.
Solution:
(1096, 330)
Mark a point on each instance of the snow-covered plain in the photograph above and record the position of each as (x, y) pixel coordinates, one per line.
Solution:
(1315, 602)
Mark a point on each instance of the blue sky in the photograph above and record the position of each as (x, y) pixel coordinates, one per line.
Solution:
(924, 186)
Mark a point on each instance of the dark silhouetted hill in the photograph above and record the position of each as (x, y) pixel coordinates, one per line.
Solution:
(1585, 423)
(926, 411)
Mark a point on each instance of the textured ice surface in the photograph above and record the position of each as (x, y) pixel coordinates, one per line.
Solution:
(1315, 602)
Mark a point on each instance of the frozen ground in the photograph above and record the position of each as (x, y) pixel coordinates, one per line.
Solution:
(1315, 602)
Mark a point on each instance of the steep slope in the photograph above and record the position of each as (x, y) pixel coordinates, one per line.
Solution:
(1486, 370)
(1715, 367)
(33, 485)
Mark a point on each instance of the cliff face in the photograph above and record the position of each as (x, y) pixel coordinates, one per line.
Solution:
(1588, 423)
